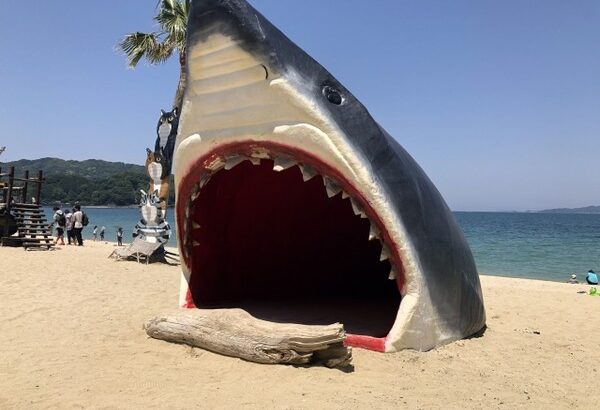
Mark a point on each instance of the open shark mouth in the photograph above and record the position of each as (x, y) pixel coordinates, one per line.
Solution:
(294, 204)
(268, 223)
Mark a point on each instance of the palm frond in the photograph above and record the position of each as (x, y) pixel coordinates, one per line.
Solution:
(157, 47)
(160, 53)
(139, 45)
(172, 18)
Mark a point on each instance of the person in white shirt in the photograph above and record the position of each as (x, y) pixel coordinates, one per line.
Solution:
(69, 226)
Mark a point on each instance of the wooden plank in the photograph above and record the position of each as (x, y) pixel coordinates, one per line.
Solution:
(25, 221)
(12, 241)
(234, 332)
(21, 205)
(38, 247)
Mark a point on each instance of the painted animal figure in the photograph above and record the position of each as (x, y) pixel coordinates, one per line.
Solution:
(159, 179)
(293, 203)
(152, 227)
(166, 131)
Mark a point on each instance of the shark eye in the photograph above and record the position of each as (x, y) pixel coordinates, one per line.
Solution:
(332, 95)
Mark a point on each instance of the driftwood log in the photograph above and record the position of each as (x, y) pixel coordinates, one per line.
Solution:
(234, 332)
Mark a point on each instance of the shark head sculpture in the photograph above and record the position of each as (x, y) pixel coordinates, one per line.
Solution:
(293, 203)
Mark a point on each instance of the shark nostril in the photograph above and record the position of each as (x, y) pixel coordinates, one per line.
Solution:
(332, 95)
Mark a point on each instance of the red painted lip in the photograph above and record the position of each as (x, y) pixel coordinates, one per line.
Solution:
(200, 167)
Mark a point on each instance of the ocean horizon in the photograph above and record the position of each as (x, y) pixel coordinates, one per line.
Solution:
(531, 245)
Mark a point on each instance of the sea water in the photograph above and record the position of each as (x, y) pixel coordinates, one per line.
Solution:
(533, 245)
(112, 219)
(524, 245)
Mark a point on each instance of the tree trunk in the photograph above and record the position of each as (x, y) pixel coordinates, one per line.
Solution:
(178, 100)
(234, 332)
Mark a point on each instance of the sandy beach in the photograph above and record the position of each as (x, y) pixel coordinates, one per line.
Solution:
(71, 337)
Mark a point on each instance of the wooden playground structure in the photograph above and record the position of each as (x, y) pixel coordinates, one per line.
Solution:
(22, 217)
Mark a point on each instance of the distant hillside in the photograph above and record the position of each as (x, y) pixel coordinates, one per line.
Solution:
(583, 210)
(90, 182)
(90, 168)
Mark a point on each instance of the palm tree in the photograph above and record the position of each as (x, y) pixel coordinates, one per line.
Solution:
(158, 46)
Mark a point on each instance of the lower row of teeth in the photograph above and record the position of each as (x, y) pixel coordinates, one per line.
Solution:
(279, 164)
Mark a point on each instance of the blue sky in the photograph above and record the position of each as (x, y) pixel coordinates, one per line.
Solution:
(499, 101)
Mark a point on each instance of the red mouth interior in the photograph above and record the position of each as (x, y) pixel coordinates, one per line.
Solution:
(278, 247)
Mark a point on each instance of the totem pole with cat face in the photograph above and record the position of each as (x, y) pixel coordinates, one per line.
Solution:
(154, 204)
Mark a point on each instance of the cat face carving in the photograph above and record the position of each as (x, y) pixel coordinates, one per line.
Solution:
(155, 165)
(167, 123)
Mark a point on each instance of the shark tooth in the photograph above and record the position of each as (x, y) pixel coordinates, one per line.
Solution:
(195, 192)
(195, 225)
(280, 164)
(260, 154)
(393, 273)
(233, 161)
(185, 235)
(216, 164)
(385, 253)
(195, 243)
(331, 187)
(357, 209)
(373, 232)
(254, 160)
(204, 179)
(345, 195)
(307, 172)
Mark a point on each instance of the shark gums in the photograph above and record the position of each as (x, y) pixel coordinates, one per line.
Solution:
(294, 204)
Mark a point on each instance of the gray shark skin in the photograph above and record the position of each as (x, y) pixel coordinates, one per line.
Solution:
(430, 258)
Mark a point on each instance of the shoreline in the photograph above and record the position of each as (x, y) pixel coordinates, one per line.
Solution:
(172, 247)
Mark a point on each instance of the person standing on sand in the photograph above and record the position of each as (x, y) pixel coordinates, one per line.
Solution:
(95, 233)
(59, 221)
(78, 224)
(69, 225)
(102, 233)
(120, 236)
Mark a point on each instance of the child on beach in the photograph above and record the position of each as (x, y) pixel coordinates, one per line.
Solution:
(95, 233)
(120, 236)
(102, 233)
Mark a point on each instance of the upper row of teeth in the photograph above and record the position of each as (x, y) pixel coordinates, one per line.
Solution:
(279, 164)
